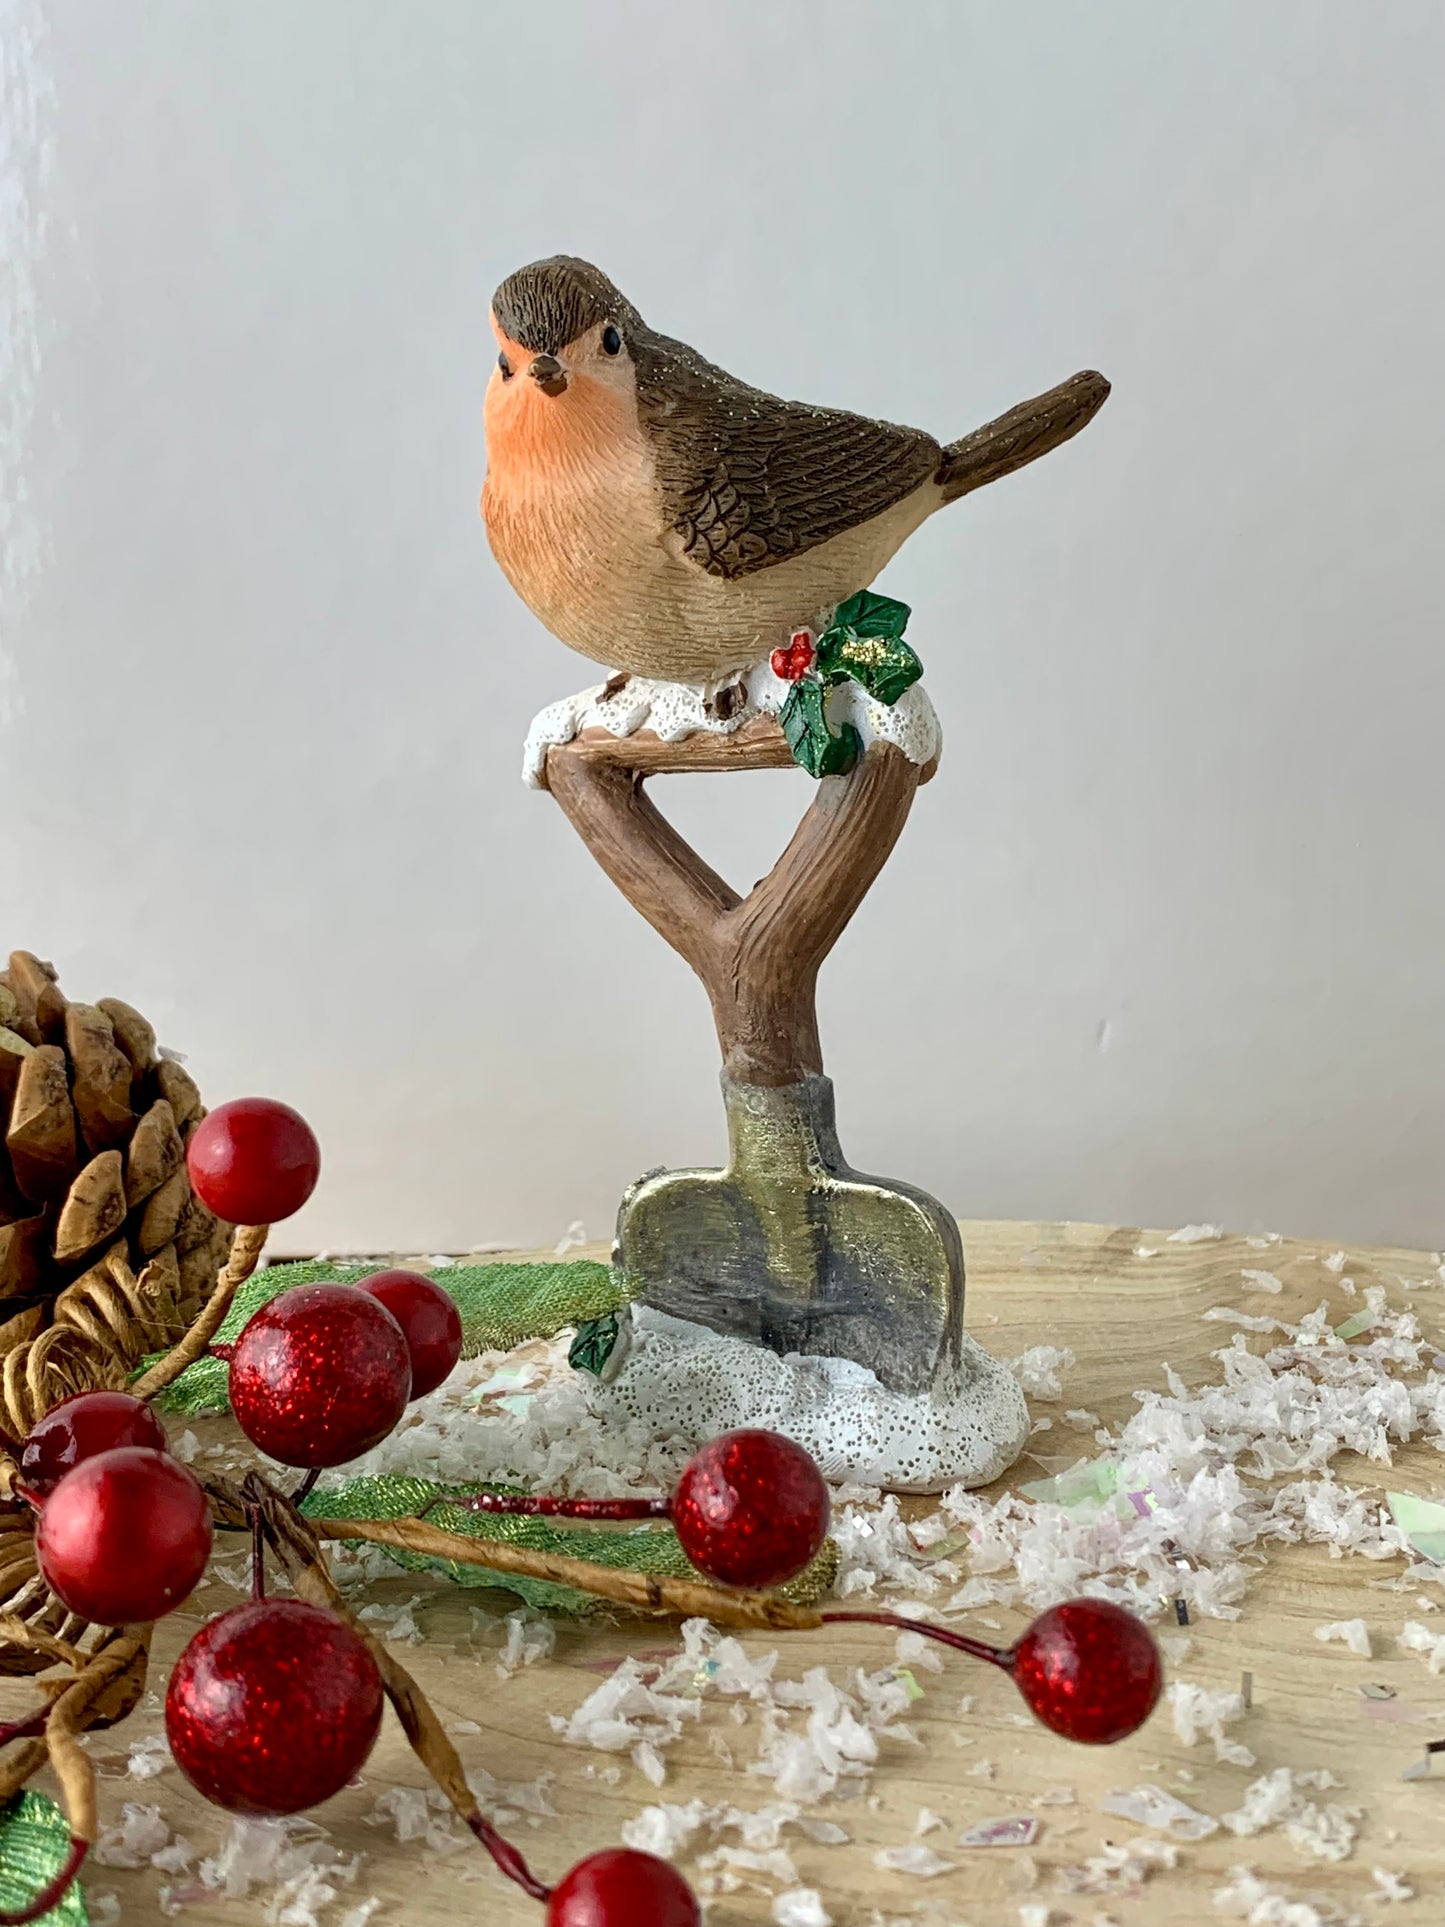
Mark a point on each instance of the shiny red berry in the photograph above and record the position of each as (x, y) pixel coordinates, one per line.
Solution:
(621, 1888)
(800, 654)
(320, 1375)
(273, 1707)
(1089, 1670)
(253, 1161)
(80, 1427)
(779, 662)
(429, 1319)
(125, 1537)
(751, 1509)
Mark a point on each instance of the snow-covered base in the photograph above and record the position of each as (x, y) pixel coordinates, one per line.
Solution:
(680, 1378)
(672, 710)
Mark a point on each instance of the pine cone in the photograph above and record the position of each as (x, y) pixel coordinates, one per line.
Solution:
(93, 1181)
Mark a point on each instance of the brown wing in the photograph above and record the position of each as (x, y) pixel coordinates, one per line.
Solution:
(748, 480)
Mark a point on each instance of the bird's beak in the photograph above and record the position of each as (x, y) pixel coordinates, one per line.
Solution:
(549, 374)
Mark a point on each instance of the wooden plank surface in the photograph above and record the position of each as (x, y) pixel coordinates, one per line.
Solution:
(1124, 1316)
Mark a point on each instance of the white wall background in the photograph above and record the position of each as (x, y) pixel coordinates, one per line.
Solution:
(1165, 940)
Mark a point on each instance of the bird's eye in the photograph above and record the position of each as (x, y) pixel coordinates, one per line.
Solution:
(611, 341)
(505, 366)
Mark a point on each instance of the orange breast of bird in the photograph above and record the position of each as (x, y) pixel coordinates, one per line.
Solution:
(571, 505)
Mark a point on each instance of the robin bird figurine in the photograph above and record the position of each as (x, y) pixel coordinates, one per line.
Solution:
(667, 520)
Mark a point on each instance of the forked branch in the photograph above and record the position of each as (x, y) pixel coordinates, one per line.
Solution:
(757, 956)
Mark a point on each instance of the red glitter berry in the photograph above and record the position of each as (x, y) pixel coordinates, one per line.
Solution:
(1089, 1670)
(79, 1428)
(621, 1888)
(273, 1707)
(124, 1537)
(751, 1509)
(780, 662)
(320, 1375)
(429, 1320)
(253, 1161)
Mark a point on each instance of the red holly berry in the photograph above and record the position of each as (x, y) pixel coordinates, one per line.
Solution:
(80, 1427)
(253, 1161)
(1089, 1670)
(751, 1509)
(273, 1707)
(429, 1319)
(621, 1888)
(124, 1537)
(794, 662)
(320, 1375)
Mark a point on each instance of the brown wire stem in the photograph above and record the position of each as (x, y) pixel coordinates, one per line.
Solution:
(507, 1857)
(24, 1729)
(643, 1592)
(258, 1554)
(307, 1486)
(960, 1642)
(247, 1244)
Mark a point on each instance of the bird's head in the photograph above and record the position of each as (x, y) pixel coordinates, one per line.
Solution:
(563, 336)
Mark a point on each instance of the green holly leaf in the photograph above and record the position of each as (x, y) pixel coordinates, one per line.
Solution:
(864, 642)
(815, 748)
(867, 614)
(593, 1345)
(885, 666)
(34, 1847)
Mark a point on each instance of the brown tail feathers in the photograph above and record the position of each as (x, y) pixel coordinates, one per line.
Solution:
(1022, 435)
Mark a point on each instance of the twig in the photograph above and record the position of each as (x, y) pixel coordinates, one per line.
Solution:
(247, 1245)
(643, 1592)
(103, 1691)
(293, 1539)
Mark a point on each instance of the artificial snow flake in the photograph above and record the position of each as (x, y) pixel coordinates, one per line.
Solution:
(1416, 1638)
(1253, 1900)
(148, 1757)
(291, 1859)
(1037, 1370)
(1391, 1886)
(359, 1915)
(1151, 1806)
(1198, 1710)
(801, 1907)
(922, 1862)
(1350, 1632)
(665, 1831)
(419, 1813)
(1118, 1868)
(140, 1832)
(1322, 1833)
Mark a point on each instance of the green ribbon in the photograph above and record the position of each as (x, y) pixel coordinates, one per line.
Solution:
(34, 1846)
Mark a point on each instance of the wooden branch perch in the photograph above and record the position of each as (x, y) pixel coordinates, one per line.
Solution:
(758, 956)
